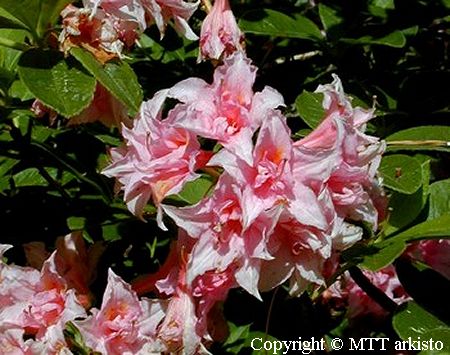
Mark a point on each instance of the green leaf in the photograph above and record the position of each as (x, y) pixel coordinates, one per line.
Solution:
(236, 340)
(273, 23)
(29, 177)
(59, 83)
(9, 23)
(385, 252)
(413, 321)
(75, 340)
(49, 14)
(8, 56)
(76, 223)
(438, 334)
(439, 199)
(440, 135)
(36, 15)
(395, 39)
(384, 4)
(117, 77)
(329, 17)
(6, 164)
(309, 107)
(19, 90)
(195, 190)
(26, 11)
(109, 140)
(401, 173)
(406, 208)
(438, 227)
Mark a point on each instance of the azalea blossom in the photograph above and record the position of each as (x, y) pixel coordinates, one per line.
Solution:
(157, 159)
(36, 304)
(74, 262)
(339, 156)
(193, 314)
(102, 34)
(161, 11)
(123, 10)
(434, 253)
(123, 324)
(269, 181)
(223, 241)
(227, 110)
(359, 303)
(220, 35)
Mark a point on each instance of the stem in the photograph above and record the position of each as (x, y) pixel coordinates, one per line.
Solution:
(428, 142)
(53, 183)
(269, 313)
(374, 292)
(14, 45)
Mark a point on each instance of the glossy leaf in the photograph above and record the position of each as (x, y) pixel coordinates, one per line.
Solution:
(117, 77)
(401, 173)
(195, 190)
(384, 4)
(273, 23)
(8, 56)
(59, 83)
(404, 209)
(236, 340)
(414, 321)
(309, 107)
(36, 15)
(395, 39)
(385, 252)
(421, 138)
(329, 17)
(439, 199)
(29, 177)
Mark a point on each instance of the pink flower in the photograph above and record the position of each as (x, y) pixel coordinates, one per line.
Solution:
(33, 301)
(191, 313)
(104, 35)
(226, 110)
(338, 155)
(359, 303)
(306, 254)
(157, 160)
(220, 35)
(433, 252)
(269, 181)
(77, 264)
(12, 343)
(124, 324)
(18, 285)
(161, 11)
(123, 10)
(51, 303)
(223, 241)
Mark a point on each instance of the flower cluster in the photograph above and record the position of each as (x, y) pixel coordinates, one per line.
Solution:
(357, 302)
(39, 304)
(107, 27)
(281, 210)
